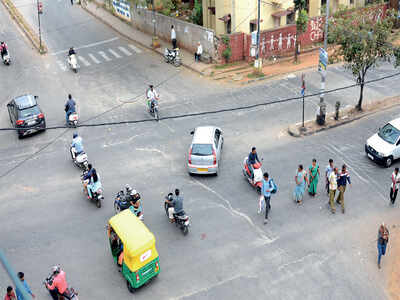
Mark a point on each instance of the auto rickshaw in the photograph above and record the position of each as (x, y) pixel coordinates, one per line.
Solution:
(133, 249)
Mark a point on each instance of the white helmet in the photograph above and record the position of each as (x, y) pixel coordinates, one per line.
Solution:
(133, 192)
(55, 269)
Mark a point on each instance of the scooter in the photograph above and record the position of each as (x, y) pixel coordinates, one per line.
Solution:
(79, 159)
(181, 220)
(6, 58)
(96, 192)
(69, 292)
(121, 203)
(73, 63)
(172, 57)
(256, 179)
(153, 109)
(73, 119)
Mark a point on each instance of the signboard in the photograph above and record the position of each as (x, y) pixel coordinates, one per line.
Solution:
(122, 9)
(303, 85)
(254, 38)
(323, 59)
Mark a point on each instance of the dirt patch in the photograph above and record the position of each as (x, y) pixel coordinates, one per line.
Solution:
(393, 263)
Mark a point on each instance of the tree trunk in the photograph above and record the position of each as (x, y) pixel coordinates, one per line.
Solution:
(359, 105)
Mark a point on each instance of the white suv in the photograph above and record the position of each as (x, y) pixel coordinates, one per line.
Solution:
(384, 146)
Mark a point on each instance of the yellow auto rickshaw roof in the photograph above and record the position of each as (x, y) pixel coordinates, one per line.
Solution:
(134, 234)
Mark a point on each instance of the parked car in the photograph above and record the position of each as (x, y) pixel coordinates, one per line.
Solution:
(384, 147)
(26, 115)
(205, 150)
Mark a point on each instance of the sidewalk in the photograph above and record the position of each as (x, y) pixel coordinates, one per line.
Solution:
(142, 38)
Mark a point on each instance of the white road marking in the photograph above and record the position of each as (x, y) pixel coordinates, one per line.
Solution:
(104, 55)
(62, 65)
(86, 46)
(123, 50)
(94, 58)
(120, 142)
(114, 53)
(134, 48)
(84, 61)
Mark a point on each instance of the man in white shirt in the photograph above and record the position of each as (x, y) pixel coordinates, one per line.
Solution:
(332, 189)
(394, 187)
(199, 52)
(152, 96)
(173, 37)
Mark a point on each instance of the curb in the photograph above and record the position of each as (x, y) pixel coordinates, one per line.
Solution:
(24, 26)
(136, 41)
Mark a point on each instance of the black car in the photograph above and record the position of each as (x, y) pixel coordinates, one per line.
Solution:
(26, 115)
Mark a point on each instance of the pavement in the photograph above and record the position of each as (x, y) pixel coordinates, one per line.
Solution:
(302, 253)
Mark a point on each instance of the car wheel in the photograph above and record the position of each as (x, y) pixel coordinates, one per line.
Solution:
(388, 162)
(130, 287)
(20, 135)
(44, 126)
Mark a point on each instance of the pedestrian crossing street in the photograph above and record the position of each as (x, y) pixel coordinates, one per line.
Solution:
(99, 57)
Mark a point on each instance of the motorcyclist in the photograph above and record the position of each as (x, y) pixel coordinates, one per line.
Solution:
(59, 285)
(152, 97)
(69, 107)
(94, 183)
(76, 145)
(3, 49)
(71, 52)
(252, 159)
(88, 176)
(177, 205)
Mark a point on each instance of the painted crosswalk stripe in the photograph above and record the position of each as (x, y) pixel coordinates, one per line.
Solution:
(84, 61)
(123, 50)
(103, 55)
(95, 60)
(62, 65)
(134, 48)
(114, 53)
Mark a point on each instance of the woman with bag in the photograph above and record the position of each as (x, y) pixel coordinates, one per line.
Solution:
(383, 239)
(301, 180)
(313, 178)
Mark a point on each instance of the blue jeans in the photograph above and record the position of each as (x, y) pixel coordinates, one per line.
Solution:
(381, 251)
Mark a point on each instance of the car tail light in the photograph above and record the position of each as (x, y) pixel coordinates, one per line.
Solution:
(137, 276)
(19, 122)
(40, 116)
(156, 268)
(215, 158)
(190, 155)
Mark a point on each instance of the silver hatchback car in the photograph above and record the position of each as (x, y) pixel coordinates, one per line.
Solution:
(205, 150)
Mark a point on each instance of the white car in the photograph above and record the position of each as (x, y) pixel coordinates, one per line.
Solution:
(384, 147)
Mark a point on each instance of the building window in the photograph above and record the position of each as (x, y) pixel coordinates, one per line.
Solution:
(290, 18)
(277, 22)
(351, 1)
(323, 3)
(229, 27)
(253, 27)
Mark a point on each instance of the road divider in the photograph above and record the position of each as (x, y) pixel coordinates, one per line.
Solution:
(25, 27)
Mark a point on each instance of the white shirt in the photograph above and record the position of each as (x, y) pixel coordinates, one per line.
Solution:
(152, 94)
(397, 179)
(199, 50)
(332, 181)
(173, 34)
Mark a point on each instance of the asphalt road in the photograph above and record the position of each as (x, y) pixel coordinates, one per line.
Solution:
(304, 252)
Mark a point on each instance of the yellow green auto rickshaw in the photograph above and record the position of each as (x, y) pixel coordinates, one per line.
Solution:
(133, 248)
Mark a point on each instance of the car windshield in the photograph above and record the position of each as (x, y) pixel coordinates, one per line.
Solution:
(389, 134)
(28, 112)
(202, 149)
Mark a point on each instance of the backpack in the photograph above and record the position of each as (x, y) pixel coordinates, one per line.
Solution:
(275, 187)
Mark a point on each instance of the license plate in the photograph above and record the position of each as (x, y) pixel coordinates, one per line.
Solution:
(30, 122)
(370, 156)
(202, 169)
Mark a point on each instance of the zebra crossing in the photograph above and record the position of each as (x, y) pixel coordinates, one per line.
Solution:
(99, 57)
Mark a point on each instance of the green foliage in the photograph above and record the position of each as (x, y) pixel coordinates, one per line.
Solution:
(299, 4)
(197, 13)
(302, 21)
(225, 39)
(227, 53)
(168, 7)
(363, 43)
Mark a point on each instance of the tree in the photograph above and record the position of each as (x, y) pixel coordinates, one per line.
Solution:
(363, 43)
(300, 6)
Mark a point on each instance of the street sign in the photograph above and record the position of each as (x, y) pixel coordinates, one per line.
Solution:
(323, 59)
(254, 38)
(303, 85)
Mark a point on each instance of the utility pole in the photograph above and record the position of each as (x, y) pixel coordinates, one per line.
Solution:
(40, 32)
(323, 72)
(154, 18)
(258, 36)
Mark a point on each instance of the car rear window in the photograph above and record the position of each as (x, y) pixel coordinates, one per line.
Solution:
(28, 112)
(202, 149)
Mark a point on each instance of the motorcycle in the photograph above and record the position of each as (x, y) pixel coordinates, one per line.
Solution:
(121, 203)
(73, 119)
(256, 179)
(172, 57)
(97, 191)
(181, 219)
(69, 292)
(79, 159)
(73, 63)
(6, 58)
(153, 109)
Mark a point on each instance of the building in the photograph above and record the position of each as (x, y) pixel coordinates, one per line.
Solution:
(229, 16)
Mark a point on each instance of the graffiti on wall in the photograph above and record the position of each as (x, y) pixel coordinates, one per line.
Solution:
(122, 8)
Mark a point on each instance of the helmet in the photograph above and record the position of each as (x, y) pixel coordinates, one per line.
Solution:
(55, 269)
(75, 135)
(133, 192)
(128, 188)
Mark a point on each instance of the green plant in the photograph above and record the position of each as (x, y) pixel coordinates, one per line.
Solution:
(301, 23)
(227, 53)
(197, 13)
(225, 39)
(168, 7)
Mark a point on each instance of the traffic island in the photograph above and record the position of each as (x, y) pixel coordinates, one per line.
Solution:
(25, 27)
(345, 116)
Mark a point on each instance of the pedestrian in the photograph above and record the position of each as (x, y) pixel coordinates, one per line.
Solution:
(328, 170)
(313, 178)
(383, 239)
(342, 180)
(395, 185)
(21, 277)
(199, 52)
(72, 2)
(173, 37)
(332, 189)
(10, 294)
(301, 180)
(268, 186)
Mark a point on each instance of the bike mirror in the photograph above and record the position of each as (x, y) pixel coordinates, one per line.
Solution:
(192, 132)
(36, 97)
